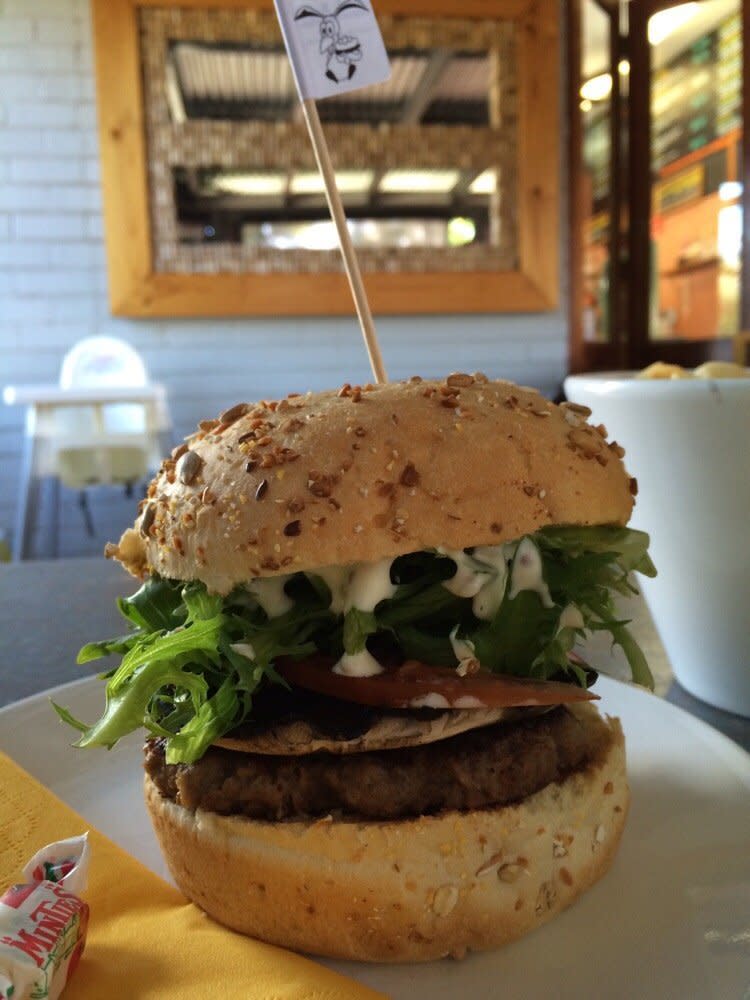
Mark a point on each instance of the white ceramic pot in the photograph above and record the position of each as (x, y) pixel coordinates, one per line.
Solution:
(687, 441)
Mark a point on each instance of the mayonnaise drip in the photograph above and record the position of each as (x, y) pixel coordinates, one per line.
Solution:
(482, 576)
(361, 585)
(269, 592)
(469, 578)
(430, 700)
(487, 602)
(370, 584)
(526, 573)
(361, 664)
(245, 649)
(336, 578)
(570, 617)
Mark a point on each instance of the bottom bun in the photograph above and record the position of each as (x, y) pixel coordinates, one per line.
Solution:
(403, 891)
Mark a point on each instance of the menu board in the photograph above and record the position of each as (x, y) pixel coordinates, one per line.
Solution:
(596, 155)
(729, 76)
(696, 96)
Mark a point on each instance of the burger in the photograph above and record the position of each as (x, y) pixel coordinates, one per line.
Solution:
(354, 651)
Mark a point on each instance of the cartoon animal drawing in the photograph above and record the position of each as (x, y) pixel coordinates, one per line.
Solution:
(334, 45)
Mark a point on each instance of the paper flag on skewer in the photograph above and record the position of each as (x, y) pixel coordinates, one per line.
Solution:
(334, 48)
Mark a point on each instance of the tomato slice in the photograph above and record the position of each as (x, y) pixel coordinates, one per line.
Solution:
(416, 685)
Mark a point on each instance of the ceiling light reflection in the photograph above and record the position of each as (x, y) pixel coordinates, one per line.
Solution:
(347, 181)
(597, 88)
(665, 22)
(418, 181)
(251, 185)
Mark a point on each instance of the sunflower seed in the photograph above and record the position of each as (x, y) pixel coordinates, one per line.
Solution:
(188, 467)
(234, 413)
(148, 519)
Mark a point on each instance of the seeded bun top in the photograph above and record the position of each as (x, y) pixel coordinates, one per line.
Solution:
(366, 473)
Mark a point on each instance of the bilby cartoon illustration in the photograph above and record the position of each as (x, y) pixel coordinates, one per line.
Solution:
(335, 45)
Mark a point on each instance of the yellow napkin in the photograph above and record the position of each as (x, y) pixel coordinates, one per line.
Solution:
(144, 939)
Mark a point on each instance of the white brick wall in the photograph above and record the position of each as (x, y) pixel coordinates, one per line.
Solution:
(53, 280)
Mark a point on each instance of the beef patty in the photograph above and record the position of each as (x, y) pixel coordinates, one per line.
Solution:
(493, 766)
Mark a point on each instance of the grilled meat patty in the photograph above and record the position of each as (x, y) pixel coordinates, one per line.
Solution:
(492, 766)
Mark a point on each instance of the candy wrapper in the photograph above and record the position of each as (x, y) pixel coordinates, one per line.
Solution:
(43, 923)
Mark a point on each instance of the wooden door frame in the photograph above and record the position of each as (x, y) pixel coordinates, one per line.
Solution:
(588, 355)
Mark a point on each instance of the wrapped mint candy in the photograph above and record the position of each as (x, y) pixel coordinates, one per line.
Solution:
(43, 923)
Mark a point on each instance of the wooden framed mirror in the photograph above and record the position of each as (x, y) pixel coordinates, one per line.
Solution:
(449, 172)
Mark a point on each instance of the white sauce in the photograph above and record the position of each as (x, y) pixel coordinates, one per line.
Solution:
(361, 585)
(487, 602)
(370, 584)
(570, 617)
(482, 576)
(431, 700)
(336, 578)
(469, 578)
(526, 573)
(468, 701)
(244, 649)
(462, 648)
(269, 593)
(361, 664)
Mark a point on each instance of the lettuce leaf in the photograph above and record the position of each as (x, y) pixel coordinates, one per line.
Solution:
(194, 661)
(627, 546)
(358, 625)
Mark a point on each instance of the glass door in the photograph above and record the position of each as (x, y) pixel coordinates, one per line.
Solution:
(686, 180)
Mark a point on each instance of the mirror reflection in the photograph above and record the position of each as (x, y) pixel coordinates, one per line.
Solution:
(251, 81)
(283, 209)
(286, 210)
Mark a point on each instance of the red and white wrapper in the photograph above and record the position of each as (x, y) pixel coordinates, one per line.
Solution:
(43, 923)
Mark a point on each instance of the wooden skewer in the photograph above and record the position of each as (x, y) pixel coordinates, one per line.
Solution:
(351, 264)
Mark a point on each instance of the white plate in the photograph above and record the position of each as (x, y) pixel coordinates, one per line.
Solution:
(671, 919)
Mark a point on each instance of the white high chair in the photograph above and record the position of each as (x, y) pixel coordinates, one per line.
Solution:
(104, 424)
